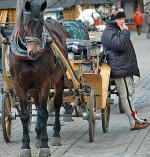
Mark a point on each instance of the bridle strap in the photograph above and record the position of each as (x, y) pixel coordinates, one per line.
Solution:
(32, 39)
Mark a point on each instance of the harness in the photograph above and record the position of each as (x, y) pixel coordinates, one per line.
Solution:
(21, 51)
(22, 54)
(19, 43)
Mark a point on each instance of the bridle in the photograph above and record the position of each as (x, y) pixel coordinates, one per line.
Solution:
(24, 40)
(27, 39)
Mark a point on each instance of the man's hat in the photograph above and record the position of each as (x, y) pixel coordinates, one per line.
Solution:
(117, 14)
(120, 14)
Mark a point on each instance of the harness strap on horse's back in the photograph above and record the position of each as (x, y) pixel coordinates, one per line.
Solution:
(58, 61)
(76, 81)
(59, 45)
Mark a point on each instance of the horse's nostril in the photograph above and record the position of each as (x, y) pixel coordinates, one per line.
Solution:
(30, 53)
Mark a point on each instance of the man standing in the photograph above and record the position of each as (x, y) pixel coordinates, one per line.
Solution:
(120, 55)
(138, 19)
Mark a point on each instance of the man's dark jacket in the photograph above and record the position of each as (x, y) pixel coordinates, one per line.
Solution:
(120, 52)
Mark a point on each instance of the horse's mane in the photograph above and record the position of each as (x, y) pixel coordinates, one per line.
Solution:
(19, 10)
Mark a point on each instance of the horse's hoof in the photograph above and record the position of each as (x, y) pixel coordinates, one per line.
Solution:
(38, 144)
(45, 152)
(56, 141)
(25, 153)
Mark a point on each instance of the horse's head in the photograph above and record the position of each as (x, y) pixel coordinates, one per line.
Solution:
(32, 23)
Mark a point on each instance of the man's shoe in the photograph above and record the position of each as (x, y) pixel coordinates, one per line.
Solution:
(139, 126)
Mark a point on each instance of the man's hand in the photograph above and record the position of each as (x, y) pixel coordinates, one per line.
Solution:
(124, 26)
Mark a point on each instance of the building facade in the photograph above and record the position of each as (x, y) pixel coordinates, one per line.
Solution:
(7, 11)
(73, 8)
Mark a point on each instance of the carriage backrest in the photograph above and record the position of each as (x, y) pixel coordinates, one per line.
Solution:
(79, 41)
(76, 30)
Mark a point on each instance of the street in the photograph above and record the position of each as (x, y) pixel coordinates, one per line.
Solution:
(118, 142)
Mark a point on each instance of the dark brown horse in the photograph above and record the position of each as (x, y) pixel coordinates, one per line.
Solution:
(35, 69)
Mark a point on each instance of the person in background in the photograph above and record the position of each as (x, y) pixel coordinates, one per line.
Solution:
(147, 21)
(138, 19)
(121, 57)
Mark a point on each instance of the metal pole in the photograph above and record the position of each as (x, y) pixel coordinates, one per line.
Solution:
(142, 5)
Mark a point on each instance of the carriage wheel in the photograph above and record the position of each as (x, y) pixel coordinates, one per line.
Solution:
(6, 117)
(91, 117)
(105, 113)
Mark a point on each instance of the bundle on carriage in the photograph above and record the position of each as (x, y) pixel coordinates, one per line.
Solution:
(38, 61)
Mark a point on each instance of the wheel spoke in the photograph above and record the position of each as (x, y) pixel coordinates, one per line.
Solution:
(91, 116)
(6, 117)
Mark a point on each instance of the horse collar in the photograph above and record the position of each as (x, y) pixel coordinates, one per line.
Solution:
(21, 53)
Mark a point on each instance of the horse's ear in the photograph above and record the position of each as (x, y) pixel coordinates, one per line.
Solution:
(28, 6)
(43, 6)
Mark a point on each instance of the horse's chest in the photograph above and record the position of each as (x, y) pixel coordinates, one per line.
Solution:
(33, 72)
(30, 71)
(32, 77)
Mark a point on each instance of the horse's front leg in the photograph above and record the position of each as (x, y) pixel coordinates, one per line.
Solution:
(24, 113)
(59, 87)
(42, 117)
(25, 117)
(38, 127)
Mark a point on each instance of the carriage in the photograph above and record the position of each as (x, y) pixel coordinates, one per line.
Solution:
(87, 81)
(85, 73)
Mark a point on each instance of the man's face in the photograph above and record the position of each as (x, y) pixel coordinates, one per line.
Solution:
(120, 21)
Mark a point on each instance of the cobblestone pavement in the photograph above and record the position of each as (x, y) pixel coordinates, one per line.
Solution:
(118, 142)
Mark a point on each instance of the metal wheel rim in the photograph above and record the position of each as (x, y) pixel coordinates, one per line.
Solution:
(91, 119)
(105, 113)
(6, 117)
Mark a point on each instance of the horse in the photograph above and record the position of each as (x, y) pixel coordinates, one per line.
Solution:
(35, 69)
